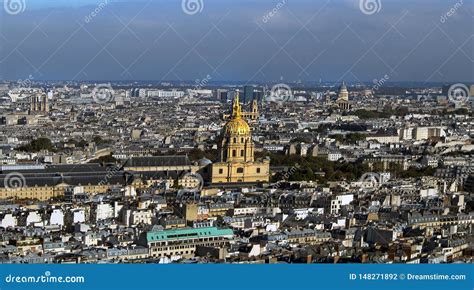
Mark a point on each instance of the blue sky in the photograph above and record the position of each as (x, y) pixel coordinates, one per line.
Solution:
(241, 40)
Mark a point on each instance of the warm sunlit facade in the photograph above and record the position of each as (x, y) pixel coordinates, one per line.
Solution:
(236, 153)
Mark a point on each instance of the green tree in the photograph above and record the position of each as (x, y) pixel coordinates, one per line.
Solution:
(38, 145)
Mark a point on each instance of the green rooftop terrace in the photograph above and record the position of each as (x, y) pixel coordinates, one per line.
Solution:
(187, 233)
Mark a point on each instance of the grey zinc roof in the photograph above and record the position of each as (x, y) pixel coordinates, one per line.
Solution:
(176, 160)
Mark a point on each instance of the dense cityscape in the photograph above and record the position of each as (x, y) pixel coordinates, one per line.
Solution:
(210, 172)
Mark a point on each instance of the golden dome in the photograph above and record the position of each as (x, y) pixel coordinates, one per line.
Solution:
(236, 125)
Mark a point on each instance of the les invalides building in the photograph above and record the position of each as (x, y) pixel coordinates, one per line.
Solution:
(236, 162)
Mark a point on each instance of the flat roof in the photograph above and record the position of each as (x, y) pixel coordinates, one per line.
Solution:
(186, 233)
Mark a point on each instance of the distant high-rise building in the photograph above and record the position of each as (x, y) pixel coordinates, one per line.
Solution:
(230, 95)
(258, 94)
(135, 93)
(248, 94)
(220, 95)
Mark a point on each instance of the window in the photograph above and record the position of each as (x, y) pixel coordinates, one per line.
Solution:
(242, 140)
(235, 140)
(221, 171)
(258, 170)
(234, 153)
(240, 170)
(242, 153)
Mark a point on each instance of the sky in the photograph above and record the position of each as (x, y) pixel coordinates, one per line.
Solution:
(238, 40)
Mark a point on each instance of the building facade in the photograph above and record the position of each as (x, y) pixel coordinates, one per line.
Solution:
(183, 242)
(236, 157)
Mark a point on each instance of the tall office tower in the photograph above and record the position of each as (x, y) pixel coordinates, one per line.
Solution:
(248, 94)
(231, 95)
(220, 95)
(258, 94)
(224, 96)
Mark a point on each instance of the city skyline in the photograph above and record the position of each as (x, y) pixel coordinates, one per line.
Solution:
(183, 143)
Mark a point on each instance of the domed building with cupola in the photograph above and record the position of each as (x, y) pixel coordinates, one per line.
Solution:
(236, 162)
(343, 97)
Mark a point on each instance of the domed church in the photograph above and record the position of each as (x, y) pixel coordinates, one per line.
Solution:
(236, 161)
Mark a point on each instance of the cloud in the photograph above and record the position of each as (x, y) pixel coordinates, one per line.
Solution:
(229, 40)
